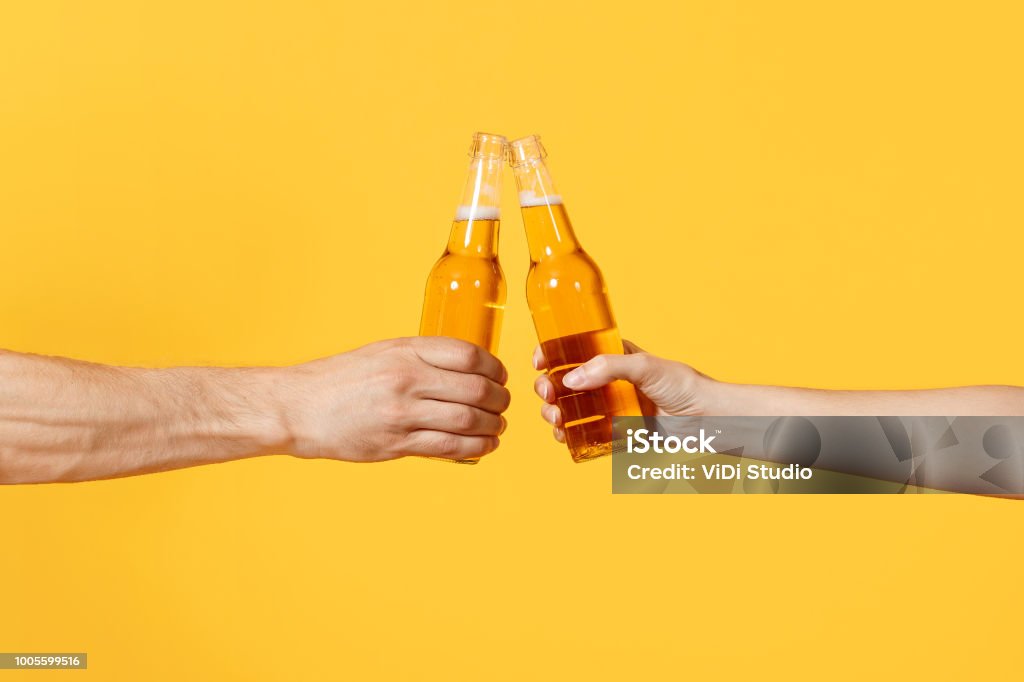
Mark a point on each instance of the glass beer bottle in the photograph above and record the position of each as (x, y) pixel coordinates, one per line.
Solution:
(465, 295)
(570, 307)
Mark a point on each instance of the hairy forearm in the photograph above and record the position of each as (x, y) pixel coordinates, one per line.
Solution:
(64, 420)
(746, 399)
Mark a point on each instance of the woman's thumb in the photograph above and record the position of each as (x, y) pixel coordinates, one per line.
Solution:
(635, 368)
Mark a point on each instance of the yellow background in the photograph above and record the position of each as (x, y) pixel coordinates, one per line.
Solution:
(811, 193)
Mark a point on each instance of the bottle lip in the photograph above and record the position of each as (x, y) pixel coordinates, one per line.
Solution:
(483, 146)
(526, 150)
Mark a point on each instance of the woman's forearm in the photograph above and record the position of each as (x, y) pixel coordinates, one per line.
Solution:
(64, 420)
(746, 399)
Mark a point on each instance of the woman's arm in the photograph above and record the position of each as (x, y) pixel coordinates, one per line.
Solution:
(745, 399)
(673, 388)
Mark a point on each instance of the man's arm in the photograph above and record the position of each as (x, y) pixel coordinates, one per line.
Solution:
(64, 420)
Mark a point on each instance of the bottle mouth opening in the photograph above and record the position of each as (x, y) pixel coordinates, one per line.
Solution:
(526, 150)
(488, 146)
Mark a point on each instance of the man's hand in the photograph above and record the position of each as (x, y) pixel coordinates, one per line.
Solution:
(432, 396)
(665, 387)
(65, 420)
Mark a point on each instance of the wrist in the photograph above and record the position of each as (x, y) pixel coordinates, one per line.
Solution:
(272, 424)
(720, 399)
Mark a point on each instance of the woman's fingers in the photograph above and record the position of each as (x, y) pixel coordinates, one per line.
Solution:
(551, 414)
(543, 387)
(539, 361)
(594, 374)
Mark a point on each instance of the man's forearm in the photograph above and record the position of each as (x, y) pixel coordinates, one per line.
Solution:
(63, 420)
(746, 399)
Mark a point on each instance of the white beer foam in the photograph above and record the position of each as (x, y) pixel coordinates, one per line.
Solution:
(478, 213)
(527, 198)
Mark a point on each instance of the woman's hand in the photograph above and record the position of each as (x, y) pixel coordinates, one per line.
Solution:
(665, 387)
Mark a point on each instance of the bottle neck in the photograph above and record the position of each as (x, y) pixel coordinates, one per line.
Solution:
(548, 230)
(478, 216)
(476, 237)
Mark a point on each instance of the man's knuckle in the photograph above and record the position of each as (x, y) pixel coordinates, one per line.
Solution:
(493, 426)
(465, 356)
(392, 345)
(504, 399)
(464, 418)
(479, 389)
(401, 380)
(447, 444)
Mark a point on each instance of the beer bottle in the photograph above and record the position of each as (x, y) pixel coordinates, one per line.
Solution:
(570, 307)
(465, 294)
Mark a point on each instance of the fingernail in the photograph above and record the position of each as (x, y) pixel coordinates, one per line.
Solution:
(544, 391)
(573, 378)
(547, 415)
(535, 362)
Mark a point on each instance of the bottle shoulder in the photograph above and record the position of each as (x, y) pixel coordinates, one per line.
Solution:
(576, 261)
(456, 265)
(576, 268)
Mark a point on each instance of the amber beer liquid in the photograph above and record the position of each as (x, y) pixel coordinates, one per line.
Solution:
(569, 303)
(465, 294)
